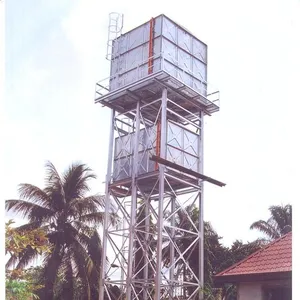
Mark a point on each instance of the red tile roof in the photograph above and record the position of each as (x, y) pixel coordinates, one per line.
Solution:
(275, 257)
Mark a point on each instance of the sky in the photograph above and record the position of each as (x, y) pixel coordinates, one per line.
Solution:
(55, 53)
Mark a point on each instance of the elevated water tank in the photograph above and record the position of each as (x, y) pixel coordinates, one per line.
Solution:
(159, 45)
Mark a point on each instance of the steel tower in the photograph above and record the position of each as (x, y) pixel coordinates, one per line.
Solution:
(158, 95)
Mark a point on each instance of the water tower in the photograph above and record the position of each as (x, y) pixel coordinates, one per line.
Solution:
(158, 95)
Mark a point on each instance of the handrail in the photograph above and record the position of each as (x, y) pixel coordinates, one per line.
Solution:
(103, 86)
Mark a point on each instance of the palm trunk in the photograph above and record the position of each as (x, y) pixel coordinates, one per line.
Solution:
(50, 275)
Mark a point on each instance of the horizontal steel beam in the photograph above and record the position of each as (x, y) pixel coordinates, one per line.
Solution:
(185, 170)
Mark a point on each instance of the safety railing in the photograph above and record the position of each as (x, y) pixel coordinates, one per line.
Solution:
(161, 62)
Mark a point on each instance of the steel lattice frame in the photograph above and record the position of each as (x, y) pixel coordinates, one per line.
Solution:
(152, 245)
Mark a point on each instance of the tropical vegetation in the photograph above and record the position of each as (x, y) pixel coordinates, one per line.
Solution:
(20, 283)
(70, 219)
(216, 256)
(62, 232)
(278, 224)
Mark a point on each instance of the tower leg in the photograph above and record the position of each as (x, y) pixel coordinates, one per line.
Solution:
(133, 206)
(107, 210)
(201, 206)
(172, 250)
(147, 251)
(158, 281)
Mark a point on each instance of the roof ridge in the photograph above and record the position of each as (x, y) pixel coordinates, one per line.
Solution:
(253, 254)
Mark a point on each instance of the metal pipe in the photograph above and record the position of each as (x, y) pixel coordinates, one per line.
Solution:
(107, 210)
(184, 109)
(181, 117)
(178, 179)
(146, 104)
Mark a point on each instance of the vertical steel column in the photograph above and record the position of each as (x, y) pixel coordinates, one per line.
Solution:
(133, 203)
(107, 206)
(122, 256)
(172, 250)
(146, 258)
(201, 222)
(123, 288)
(163, 142)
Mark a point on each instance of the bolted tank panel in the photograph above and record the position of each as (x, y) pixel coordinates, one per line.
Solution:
(159, 45)
(182, 149)
(130, 54)
(123, 156)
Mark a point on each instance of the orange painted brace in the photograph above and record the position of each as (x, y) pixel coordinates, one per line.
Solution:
(151, 44)
(150, 71)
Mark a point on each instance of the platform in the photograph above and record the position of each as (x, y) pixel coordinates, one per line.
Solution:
(178, 179)
(149, 183)
(149, 88)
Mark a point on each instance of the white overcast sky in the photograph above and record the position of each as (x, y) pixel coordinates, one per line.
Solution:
(55, 53)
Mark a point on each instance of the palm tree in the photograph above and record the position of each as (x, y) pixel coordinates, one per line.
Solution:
(278, 224)
(69, 218)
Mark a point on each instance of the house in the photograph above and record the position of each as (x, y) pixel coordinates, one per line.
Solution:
(265, 274)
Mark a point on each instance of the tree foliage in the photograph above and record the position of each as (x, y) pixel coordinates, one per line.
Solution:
(19, 290)
(62, 227)
(22, 284)
(217, 257)
(19, 282)
(17, 240)
(69, 217)
(278, 224)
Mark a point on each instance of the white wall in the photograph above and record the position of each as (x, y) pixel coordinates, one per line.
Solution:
(250, 291)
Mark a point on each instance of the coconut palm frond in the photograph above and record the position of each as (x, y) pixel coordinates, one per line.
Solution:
(86, 205)
(278, 217)
(34, 194)
(97, 218)
(281, 218)
(266, 228)
(52, 179)
(26, 257)
(27, 209)
(81, 262)
(82, 227)
(75, 181)
(94, 218)
(69, 219)
(94, 247)
(12, 262)
(278, 224)
(83, 239)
